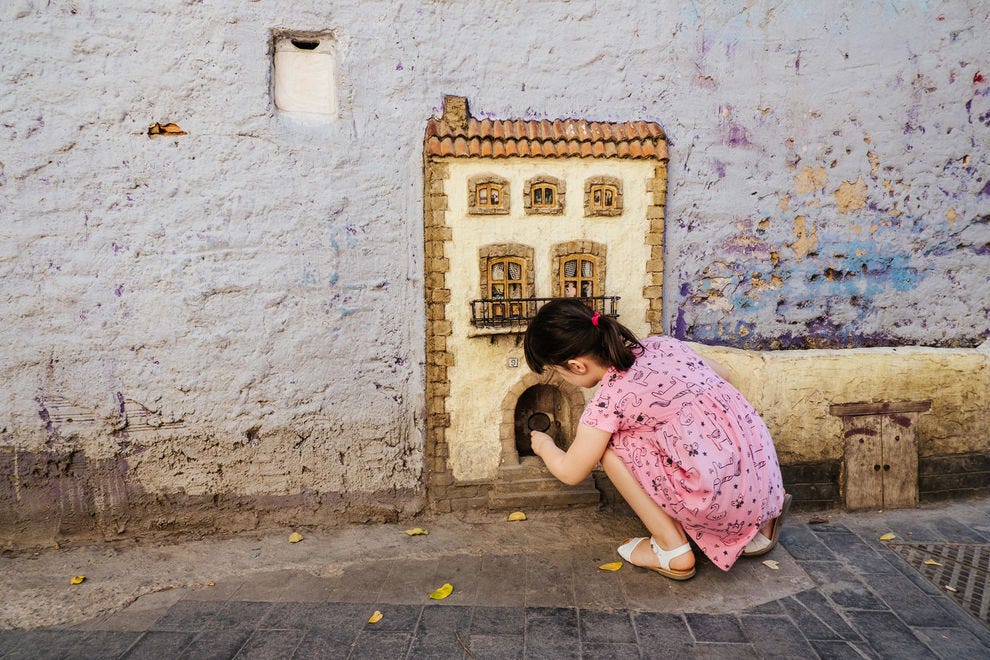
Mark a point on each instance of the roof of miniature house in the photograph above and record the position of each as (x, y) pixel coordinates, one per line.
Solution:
(459, 135)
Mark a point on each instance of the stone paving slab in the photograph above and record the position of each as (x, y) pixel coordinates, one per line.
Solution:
(840, 592)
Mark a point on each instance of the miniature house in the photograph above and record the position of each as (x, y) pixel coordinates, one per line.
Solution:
(518, 212)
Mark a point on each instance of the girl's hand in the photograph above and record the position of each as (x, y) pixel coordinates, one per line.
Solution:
(540, 442)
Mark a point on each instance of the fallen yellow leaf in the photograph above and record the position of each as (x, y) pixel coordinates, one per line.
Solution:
(443, 592)
(948, 588)
(77, 579)
(376, 617)
(211, 584)
(516, 516)
(612, 566)
(416, 531)
(931, 562)
(772, 564)
(889, 536)
(295, 537)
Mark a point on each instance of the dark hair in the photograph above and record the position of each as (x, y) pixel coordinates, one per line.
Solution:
(563, 329)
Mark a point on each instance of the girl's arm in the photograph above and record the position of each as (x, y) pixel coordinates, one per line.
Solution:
(579, 460)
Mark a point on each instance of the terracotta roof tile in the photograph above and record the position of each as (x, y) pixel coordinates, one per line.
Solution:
(557, 138)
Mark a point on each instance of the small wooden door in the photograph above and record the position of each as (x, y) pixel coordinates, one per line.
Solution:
(881, 454)
(863, 473)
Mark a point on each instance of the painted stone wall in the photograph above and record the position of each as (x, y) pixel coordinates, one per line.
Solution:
(225, 327)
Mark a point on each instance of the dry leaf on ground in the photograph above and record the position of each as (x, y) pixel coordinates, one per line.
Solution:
(442, 592)
(889, 536)
(772, 564)
(295, 537)
(517, 515)
(77, 579)
(416, 531)
(931, 562)
(376, 617)
(612, 566)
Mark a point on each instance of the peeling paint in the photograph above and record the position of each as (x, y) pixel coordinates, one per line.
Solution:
(851, 196)
(810, 179)
(805, 237)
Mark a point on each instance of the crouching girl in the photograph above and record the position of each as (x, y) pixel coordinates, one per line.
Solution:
(684, 448)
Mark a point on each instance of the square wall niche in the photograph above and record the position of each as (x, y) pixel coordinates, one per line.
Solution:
(304, 73)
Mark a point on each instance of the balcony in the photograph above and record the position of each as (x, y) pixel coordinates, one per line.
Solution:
(514, 315)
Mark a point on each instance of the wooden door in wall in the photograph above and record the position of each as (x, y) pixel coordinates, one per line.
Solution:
(881, 454)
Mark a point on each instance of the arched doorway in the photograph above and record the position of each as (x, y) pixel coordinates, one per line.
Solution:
(544, 408)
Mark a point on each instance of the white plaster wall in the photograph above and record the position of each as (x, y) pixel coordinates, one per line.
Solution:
(480, 377)
(252, 291)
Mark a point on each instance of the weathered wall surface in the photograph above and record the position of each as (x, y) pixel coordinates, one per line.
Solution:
(835, 193)
(795, 389)
(231, 320)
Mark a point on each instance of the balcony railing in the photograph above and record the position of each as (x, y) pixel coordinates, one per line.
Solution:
(517, 313)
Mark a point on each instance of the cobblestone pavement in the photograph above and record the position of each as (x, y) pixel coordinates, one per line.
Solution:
(838, 591)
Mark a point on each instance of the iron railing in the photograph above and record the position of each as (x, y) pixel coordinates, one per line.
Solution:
(517, 313)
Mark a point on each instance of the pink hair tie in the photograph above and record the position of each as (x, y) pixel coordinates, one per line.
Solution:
(594, 319)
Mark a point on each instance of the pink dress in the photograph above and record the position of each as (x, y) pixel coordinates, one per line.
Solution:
(696, 446)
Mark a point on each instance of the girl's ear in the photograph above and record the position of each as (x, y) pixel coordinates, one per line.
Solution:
(577, 366)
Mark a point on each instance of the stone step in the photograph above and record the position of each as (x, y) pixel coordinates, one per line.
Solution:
(534, 500)
(530, 467)
(507, 485)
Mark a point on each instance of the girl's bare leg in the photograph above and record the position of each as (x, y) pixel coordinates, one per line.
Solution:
(666, 531)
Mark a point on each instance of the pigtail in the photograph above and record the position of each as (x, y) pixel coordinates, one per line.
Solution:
(617, 344)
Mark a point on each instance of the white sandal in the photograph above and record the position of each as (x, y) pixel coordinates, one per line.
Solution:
(663, 556)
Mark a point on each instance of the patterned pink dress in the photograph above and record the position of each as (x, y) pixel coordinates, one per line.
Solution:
(696, 446)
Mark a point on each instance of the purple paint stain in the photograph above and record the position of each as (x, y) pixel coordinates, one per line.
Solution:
(986, 189)
(720, 169)
(398, 67)
(680, 326)
(119, 291)
(685, 289)
(117, 248)
(120, 402)
(738, 137)
(797, 62)
(43, 414)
